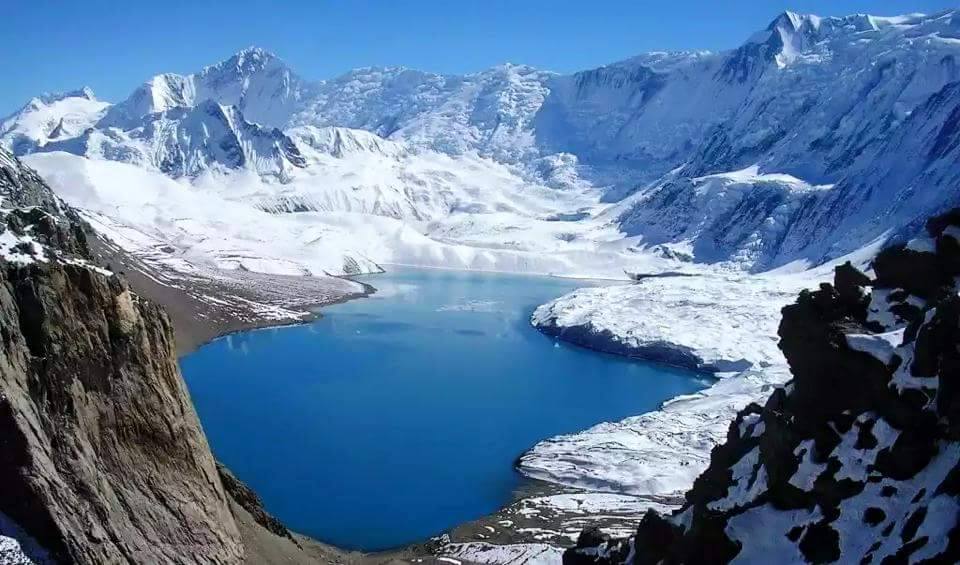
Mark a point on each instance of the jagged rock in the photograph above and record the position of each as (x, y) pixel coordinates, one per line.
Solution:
(855, 460)
(593, 545)
(654, 536)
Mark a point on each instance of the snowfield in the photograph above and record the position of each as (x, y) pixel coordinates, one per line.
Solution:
(726, 325)
(513, 554)
(339, 223)
(658, 453)
(705, 322)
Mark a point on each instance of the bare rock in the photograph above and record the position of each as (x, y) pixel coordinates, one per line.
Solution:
(102, 457)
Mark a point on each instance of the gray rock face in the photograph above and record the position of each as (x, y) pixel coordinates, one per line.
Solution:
(103, 459)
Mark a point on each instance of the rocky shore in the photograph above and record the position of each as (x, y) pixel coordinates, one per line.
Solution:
(212, 303)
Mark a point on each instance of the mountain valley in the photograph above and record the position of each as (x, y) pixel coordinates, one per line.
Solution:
(707, 190)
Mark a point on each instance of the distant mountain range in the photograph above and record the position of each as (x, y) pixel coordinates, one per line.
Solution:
(813, 138)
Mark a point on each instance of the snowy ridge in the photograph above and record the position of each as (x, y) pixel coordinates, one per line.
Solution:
(739, 217)
(787, 148)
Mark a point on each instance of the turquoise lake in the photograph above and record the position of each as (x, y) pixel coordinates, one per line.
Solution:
(396, 417)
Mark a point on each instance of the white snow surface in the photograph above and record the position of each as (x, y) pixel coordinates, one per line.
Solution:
(765, 528)
(346, 216)
(657, 453)
(511, 554)
(726, 322)
(722, 320)
(880, 346)
(593, 503)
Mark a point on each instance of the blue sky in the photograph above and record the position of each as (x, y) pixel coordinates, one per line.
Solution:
(113, 46)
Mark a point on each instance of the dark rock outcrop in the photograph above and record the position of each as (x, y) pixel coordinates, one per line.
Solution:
(857, 459)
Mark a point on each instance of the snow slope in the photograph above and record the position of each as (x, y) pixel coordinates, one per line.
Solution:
(238, 221)
(723, 324)
(809, 140)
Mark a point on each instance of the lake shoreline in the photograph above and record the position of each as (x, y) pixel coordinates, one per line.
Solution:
(196, 322)
(487, 529)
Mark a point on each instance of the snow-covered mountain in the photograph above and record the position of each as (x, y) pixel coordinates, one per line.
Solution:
(836, 99)
(490, 112)
(188, 140)
(254, 81)
(50, 117)
(813, 138)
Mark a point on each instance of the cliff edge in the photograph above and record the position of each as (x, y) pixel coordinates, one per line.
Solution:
(102, 457)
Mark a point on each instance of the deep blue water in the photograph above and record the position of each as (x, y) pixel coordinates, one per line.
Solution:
(396, 417)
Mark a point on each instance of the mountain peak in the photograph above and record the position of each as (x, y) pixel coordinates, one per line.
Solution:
(789, 24)
(247, 61)
(84, 92)
(790, 35)
(254, 54)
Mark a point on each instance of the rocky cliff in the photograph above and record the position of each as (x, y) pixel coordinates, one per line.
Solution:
(857, 459)
(102, 457)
